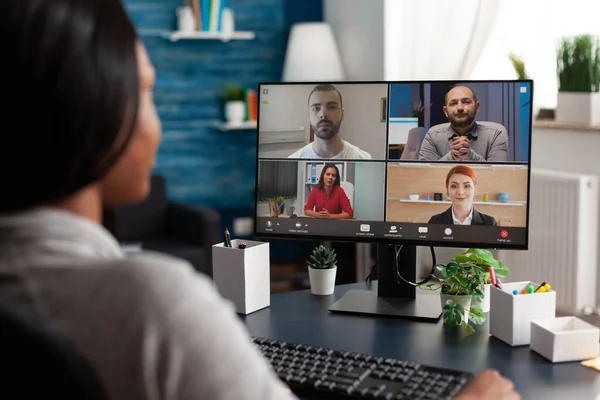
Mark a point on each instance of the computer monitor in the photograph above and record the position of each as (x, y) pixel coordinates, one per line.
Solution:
(410, 163)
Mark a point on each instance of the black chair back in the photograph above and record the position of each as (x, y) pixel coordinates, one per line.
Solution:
(37, 363)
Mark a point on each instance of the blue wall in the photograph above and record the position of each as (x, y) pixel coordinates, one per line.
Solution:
(203, 165)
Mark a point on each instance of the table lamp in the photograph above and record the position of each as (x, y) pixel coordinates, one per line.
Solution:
(312, 54)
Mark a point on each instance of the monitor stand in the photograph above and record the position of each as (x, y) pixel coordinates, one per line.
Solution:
(394, 297)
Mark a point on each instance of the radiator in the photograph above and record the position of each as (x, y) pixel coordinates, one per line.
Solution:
(563, 239)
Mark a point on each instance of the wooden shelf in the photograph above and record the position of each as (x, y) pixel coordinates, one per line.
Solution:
(228, 126)
(491, 203)
(201, 35)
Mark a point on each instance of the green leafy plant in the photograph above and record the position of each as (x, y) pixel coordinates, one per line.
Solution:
(519, 66)
(322, 258)
(578, 64)
(233, 92)
(466, 275)
(279, 200)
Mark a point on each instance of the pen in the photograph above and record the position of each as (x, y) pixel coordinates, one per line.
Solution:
(499, 284)
(227, 238)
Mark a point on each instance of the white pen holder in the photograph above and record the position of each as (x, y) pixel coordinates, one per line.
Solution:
(243, 275)
(511, 314)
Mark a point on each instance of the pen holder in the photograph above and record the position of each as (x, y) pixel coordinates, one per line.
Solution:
(242, 275)
(510, 315)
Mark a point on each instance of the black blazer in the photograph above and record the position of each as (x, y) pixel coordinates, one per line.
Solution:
(478, 218)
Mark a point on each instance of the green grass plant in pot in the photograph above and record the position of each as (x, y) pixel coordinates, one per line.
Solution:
(322, 268)
(578, 73)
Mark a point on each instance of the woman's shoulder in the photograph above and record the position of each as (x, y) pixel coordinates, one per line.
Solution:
(439, 218)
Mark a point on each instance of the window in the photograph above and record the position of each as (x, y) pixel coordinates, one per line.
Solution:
(532, 30)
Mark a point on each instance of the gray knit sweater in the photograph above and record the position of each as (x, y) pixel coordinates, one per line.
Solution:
(150, 326)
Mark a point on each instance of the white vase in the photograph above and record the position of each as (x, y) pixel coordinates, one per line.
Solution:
(322, 281)
(484, 304)
(463, 300)
(235, 111)
(185, 19)
(578, 108)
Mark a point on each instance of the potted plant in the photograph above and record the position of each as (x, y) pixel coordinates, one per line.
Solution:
(280, 202)
(321, 270)
(234, 103)
(518, 65)
(462, 286)
(578, 71)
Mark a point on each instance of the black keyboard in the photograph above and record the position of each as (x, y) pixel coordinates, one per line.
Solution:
(317, 372)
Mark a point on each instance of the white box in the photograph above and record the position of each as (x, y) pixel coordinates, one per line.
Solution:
(564, 339)
(243, 275)
(510, 315)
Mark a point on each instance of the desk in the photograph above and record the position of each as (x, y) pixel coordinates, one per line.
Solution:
(303, 318)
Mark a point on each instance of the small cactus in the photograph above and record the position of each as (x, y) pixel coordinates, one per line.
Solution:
(322, 258)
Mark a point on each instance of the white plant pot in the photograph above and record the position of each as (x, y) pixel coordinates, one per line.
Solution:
(463, 300)
(322, 281)
(578, 108)
(485, 303)
(235, 111)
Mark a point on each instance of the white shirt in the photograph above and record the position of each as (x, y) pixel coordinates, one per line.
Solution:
(467, 220)
(348, 151)
(150, 326)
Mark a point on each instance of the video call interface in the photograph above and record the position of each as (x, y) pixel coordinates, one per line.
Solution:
(428, 163)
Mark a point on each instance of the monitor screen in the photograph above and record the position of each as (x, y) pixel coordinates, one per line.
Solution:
(440, 163)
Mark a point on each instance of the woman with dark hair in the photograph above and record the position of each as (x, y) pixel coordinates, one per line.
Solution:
(327, 199)
(79, 86)
(461, 186)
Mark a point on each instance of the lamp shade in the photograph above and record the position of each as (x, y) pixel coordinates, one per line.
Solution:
(312, 54)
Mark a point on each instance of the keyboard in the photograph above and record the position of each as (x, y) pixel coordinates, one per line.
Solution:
(317, 372)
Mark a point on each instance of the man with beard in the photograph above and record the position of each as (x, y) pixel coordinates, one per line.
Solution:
(463, 139)
(326, 113)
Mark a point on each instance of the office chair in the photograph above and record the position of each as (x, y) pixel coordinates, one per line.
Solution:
(38, 363)
(166, 226)
(413, 143)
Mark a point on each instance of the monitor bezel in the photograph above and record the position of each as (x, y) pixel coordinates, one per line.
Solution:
(396, 241)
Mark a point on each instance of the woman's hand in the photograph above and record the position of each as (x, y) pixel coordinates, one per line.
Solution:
(323, 214)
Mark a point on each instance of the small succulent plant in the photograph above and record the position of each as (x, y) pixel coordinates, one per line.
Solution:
(322, 258)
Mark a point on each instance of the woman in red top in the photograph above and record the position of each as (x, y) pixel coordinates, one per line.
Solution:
(328, 199)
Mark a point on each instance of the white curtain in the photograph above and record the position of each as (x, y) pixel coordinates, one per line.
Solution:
(433, 39)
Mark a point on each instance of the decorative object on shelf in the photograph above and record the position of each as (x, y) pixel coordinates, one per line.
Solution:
(578, 69)
(437, 196)
(462, 287)
(503, 197)
(280, 202)
(206, 19)
(325, 62)
(413, 196)
(273, 209)
(486, 197)
(427, 196)
(234, 103)
(185, 19)
(322, 269)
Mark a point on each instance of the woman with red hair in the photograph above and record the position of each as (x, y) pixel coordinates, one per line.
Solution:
(461, 186)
